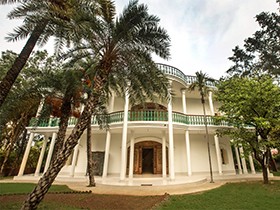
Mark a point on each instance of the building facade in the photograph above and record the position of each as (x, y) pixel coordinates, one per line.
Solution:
(163, 140)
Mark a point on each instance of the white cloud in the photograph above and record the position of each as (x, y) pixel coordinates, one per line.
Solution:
(203, 32)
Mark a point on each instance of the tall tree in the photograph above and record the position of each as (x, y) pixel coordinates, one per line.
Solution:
(260, 53)
(252, 106)
(23, 100)
(43, 19)
(122, 54)
(90, 158)
(202, 83)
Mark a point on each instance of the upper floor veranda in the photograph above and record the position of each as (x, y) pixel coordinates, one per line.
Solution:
(185, 106)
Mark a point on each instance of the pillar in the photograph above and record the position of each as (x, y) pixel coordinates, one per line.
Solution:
(188, 152)
(238, 160)
(74, 159)
(41, 157)
(40, 107)
(26, 154)
(49, 157)
(253, 171)
(111, 103)
(171, 141)
(243, 161)
(210, 99)
(218, 153)
(131, 156)
(184, 105)
(107, 152)
(163, 155)
(124, 138)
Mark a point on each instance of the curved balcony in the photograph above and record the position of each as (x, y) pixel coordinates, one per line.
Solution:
(172, 71)
(139, 116)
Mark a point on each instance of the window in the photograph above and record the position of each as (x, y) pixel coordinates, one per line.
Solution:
(224, 156)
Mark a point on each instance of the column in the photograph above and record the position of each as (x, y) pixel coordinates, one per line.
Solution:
(50, 121)
(74, 159)
(163, 155)
(107, 152)
(40, 107)
(49, 157)
(243, 161)
(210, 99)
(26, 154)
(124, 138)
(188, 152)
(171, 142)
(111, 103)
(41, 157)
(184, 105)
(253, 171)
(131, 156)
(218, 153)
(238, 160)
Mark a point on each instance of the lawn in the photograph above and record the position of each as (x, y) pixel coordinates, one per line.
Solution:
(12, 188)
(244, 195)
(276, 173)
(249, 195)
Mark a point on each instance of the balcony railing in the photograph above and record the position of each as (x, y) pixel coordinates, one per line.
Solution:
(170, 70)
(133, 116)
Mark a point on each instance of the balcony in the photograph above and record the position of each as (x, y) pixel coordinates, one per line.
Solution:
(172, 71)
(137, 116)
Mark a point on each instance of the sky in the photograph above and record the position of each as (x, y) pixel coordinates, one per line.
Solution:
(203, 32)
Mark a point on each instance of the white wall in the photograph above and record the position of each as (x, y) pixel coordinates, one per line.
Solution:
(118, 104)
(180, 157)
(199, 153)
(194, 107)
(115, 154)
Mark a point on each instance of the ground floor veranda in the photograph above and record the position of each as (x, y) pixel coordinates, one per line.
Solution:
(145, 155)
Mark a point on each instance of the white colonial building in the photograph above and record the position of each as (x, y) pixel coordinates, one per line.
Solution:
(165, 141)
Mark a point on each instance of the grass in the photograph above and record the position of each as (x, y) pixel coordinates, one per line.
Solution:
(237, 196)
(20, 188)
(250, 195)
(276, 173)
(43, 205)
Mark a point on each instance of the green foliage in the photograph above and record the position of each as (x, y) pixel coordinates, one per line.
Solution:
(19, 188)
(119, 52)
(252, 106)
(63, 19)
(251, 102)
(202, 84)
(229, 196)
(261, 51)
(39, 77)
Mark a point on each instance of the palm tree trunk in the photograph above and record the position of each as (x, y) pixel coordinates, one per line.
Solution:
(208, 142)
(63, 124)
(89, 157)
(17, 130)
(8, 81)
(38, 193)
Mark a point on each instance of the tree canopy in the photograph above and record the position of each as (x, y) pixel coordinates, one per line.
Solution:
(252, 106)
(261, 52)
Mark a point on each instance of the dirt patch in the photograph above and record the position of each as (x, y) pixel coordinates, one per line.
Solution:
(95, 201)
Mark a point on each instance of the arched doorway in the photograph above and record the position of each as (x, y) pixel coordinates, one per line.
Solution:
(147, 158)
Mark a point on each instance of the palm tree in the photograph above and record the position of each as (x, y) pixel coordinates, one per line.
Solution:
(90, 158)
(202, 84)
(121, 53)
(23, 100)
(43, 19)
